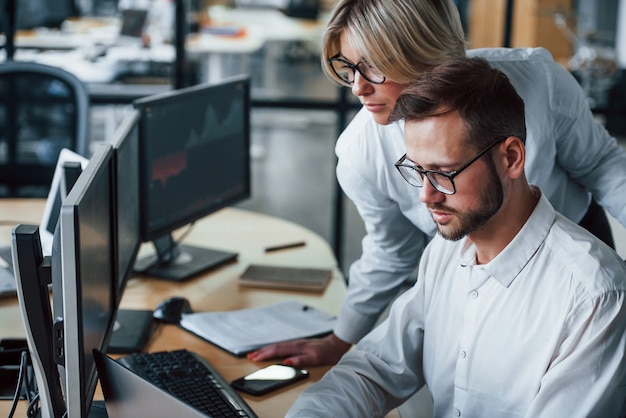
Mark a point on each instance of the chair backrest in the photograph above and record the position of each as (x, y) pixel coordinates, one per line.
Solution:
(42, 110)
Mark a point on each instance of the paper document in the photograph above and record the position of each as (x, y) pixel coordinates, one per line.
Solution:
(241, 331)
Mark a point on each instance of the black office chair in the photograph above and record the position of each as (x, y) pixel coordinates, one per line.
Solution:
(42, 110)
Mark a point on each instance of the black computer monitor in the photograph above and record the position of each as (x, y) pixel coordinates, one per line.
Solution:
(31, 14)
(88, 288)
(32, 274)
(194, 160)
(125, 143)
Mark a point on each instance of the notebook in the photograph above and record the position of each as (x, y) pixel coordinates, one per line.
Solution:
(288, 278)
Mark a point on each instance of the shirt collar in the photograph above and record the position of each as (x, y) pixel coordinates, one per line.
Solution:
(506, 266)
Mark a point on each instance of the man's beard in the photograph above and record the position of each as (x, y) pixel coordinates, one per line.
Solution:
(491, 200)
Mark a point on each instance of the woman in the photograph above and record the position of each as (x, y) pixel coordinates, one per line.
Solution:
(377, 47)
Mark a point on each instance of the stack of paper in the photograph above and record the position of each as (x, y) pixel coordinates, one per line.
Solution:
(245, 330)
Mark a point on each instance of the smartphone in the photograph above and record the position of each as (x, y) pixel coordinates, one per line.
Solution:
(269, 378)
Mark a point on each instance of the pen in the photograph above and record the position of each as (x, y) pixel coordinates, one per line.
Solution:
(285, 246)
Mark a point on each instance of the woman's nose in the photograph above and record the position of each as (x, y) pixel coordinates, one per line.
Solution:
(360, 86)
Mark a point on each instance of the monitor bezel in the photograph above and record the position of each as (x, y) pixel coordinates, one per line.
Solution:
(120, 138)
(80, 383)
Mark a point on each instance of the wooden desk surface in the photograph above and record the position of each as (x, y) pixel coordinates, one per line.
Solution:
(231, 229)
(245, 232)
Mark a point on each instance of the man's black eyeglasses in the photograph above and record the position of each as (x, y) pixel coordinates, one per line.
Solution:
(443, 181)
(345, 70)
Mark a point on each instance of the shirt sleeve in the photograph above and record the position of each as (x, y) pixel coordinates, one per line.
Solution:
(378, 375)
(584, 148)
(588, 365)
(391, 248)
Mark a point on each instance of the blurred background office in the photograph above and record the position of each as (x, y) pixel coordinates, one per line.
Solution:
(297, 113)
(124, 49)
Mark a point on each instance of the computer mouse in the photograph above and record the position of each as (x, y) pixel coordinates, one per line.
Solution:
(171, 309)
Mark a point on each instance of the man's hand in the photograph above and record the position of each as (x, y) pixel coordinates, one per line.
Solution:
(304, 352)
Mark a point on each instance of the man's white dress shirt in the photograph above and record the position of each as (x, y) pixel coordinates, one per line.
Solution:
(539, 331)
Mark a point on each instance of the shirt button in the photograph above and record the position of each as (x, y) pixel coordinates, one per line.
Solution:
(457, 413)
(474, 294)
(463, 354)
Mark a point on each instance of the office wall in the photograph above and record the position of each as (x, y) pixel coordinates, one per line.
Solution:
(532, 25)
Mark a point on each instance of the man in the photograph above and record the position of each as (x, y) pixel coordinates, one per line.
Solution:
(517, 311)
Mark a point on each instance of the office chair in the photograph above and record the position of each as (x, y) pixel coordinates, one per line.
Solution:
(42, 110)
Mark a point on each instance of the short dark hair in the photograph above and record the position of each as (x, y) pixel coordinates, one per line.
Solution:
(484, 97)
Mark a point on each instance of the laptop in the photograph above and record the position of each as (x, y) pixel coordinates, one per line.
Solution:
(56, 195)
(126, 394)
(130, 34)
(133, 23)
(48, 221)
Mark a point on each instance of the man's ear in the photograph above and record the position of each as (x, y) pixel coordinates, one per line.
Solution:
(515, 156)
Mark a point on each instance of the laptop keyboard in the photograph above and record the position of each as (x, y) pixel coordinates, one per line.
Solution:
(190, 379)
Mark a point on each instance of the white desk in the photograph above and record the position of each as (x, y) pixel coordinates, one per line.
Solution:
(70, 50)
(260, 27)
(100, 70)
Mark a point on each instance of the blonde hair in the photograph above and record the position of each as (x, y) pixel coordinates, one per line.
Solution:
(399, 38)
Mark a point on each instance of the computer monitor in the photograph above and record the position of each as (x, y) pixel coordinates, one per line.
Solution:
(31, 14)
(194, 160)
(87, 290)
(32, 274)
(125, 143)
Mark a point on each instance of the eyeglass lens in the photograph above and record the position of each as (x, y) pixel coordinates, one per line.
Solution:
(416, 178)
(346, 70)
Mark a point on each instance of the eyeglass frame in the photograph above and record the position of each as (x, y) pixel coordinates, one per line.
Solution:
(450, 175)
(353, 67)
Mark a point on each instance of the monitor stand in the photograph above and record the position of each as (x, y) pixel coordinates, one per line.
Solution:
(178, 262)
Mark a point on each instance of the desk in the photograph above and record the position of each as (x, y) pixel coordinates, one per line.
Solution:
(230, 229)
(260, 27)
(70, 49)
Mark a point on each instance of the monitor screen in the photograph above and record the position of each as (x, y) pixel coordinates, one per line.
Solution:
(125, 143)
(31, 14)
(88, 285)
(194, 160)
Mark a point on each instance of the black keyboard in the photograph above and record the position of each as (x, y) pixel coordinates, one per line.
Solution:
(190, 379)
